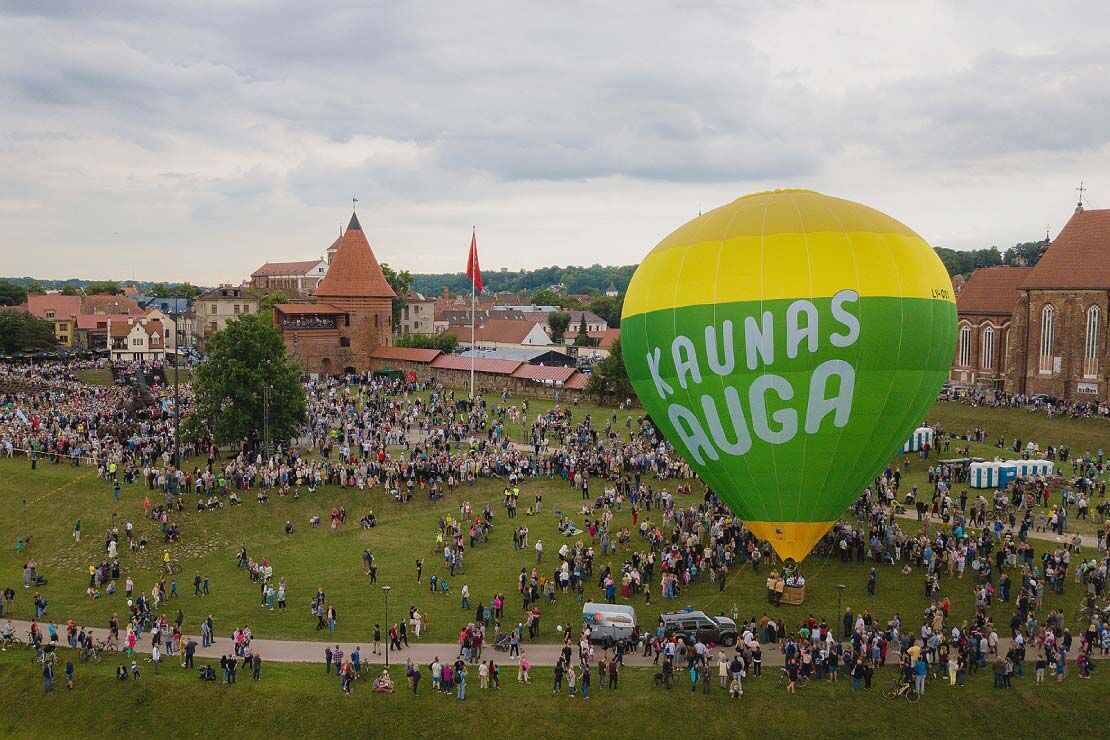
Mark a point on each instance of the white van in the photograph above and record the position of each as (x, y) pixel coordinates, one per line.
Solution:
(615, 621)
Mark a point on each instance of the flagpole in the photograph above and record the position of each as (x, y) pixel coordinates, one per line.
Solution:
(473, 349)
(473, 310)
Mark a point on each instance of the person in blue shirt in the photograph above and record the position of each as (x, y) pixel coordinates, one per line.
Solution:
(920, 670)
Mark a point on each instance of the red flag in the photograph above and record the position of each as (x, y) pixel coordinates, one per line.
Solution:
(472, 270)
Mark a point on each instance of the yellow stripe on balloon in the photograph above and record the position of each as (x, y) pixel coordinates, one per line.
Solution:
(749, 250)
(790, 539)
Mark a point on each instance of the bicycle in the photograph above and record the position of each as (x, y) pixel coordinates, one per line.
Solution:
(784, 678)
(42, 657)
(91, 655)
(13, 642)
(172, 567)
(899, 688)
(106, 646)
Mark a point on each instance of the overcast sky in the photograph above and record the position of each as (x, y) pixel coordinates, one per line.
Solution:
(196, 140)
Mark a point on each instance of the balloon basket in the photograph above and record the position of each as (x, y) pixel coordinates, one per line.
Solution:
(794, 595)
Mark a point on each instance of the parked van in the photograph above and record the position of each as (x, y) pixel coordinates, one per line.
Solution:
(615, 621)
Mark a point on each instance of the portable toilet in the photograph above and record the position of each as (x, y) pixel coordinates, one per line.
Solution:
(920, 437)
(1007, 473)
(982, 474)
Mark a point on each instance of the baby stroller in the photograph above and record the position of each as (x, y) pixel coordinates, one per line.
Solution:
(502, 643)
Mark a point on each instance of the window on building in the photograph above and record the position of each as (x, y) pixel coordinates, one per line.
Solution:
(344, 341)
(235, 309)
(1090, 347)
(965, 346)
(213, 311)
(1048, 326)
(50, 314)
(986, 352)
(377, 321)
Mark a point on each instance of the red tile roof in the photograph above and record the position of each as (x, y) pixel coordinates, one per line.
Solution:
(354, 271)
(63, 306)
(272, 269)
(605, 338)
(106, 304)
(577, 382)
(544, 373)
(307, 308)
(992, 290)
(88, 321)
(504, 331)
(405, 354)
(1080, 256)
(481, 365)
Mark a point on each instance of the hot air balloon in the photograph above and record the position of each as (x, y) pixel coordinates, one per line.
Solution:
(787, 344)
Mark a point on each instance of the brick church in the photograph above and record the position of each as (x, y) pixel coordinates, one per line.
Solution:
(349, 315)
(1041, 329)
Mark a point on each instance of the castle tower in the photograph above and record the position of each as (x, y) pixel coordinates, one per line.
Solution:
(356, 285)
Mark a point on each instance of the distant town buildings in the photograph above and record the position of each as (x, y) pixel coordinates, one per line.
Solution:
(218, 306)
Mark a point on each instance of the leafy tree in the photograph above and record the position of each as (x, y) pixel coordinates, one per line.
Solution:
(12, 294)
(267, 301)
(71, 290)
(1025, 253)
(243, 359)
(608, 308)
(36, 288)
(558, 322)
(609, 378)
(443, 342)
(401, 282)
(103, 287)
(180, 290)
(583, 337)
(21, 331)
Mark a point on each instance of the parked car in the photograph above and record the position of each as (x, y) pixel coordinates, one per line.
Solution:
(615, 621)
(697, 624)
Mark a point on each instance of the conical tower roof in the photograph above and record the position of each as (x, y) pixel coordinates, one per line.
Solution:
(354, 272)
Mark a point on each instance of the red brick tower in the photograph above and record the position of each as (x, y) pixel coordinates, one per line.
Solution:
(355, 285)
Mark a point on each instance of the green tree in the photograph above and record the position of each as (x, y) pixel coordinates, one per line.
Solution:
(443, 342)
(583, 337)
(12, 294)
(35, 288)
(558, 322)
(21, 331)
(608, 308)
(266, 304)
(71, 290)
(169, 290)
(401, 282)
(103, 287)
(609, 378)
(244, 359)
(1025, 253)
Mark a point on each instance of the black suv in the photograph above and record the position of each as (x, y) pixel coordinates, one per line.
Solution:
(689, 625)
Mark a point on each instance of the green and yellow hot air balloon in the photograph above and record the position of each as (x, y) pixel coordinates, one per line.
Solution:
(787, 344)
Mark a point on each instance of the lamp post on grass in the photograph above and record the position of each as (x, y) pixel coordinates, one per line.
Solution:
(389, 638)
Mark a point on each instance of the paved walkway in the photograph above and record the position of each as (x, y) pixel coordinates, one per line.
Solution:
(312, 651)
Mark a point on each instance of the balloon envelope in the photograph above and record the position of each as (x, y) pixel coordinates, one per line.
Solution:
(787, 344)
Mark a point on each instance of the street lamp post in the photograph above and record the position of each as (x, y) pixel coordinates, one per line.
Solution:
(385, 590)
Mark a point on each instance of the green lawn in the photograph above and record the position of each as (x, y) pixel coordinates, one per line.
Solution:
(58, 494)
(1081, 435)
(95, 377)
(300, 700)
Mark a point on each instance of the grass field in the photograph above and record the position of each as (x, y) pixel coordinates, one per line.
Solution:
(300, 700)
(104, 377)
(57, 495)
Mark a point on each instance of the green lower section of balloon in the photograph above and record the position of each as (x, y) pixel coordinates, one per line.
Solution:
(834, 392)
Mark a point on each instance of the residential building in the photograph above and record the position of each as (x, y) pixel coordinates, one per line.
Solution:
(218, 306)
(502, 333)
(295, 278)
(417, 314)
(61, 310)
(135, 338)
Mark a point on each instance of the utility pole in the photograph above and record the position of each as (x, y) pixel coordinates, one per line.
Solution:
(266, 421)
(176, 395)
(385, 590)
